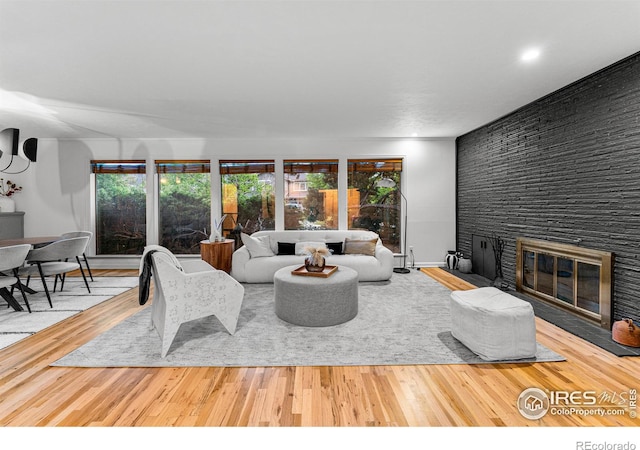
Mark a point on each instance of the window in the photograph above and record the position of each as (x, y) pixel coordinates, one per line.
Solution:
(247, 197)
(120, 207)
(374, 198)
(311, 195)
(300, 186)
(183, 200)
(184, 205)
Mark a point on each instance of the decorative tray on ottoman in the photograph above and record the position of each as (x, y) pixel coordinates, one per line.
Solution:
(326, 272)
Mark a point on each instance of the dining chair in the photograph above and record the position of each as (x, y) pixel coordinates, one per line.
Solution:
(73, 234)
(53, 259)
(11, 259)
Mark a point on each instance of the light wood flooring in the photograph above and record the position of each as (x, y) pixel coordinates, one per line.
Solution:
(34, 394)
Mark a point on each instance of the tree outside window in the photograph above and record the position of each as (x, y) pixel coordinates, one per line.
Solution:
(184, 205)
(311, 195)
(120, 207)
(184, 199)
(248, 197)
(374, 199)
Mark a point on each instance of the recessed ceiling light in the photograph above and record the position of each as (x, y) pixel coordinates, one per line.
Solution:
(530, 54)
(414, 134)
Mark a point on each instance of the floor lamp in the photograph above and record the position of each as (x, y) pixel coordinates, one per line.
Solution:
(389, 183)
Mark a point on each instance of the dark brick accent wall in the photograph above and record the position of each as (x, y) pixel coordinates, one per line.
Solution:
(562, 168)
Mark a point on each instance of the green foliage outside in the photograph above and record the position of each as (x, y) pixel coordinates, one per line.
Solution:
(121, 218)
(319, 181)
(314, 215)
(185, 211)
(379, 206)
(370, 193)
(250, 193)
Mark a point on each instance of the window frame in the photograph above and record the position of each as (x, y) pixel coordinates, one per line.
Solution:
(240, 167)
(278, 170)
(108, 166)
(176, 166)
(308, 166)
(381, 165)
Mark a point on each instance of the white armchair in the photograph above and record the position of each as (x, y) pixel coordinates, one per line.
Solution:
(189, 291)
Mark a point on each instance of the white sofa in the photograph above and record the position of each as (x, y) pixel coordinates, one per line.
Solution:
(246, 269)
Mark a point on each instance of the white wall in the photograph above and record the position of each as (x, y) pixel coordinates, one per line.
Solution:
(56, 193)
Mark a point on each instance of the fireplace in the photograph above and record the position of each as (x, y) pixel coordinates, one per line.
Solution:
(569, 276)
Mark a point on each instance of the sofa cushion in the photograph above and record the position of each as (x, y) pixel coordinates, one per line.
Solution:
(258, 246)
(360, 247)
(335, 248)
(286, 248)
(301, 246)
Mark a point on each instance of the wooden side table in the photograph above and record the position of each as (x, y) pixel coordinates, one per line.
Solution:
(218, 253)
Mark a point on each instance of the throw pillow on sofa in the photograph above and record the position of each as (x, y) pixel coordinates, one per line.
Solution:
(335, 248)
(286, 248)
(360, 247)
(258, 247)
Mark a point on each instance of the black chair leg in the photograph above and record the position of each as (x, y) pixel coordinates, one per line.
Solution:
(44, 283)
(10, 299)
(61, 277)
(86, 261)
(26, 286)
(86, 283)
(24, 296)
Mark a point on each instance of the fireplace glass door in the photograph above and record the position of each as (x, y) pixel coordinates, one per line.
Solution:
(577, 278)
(588, 295)
(546, 264)
(566, 280)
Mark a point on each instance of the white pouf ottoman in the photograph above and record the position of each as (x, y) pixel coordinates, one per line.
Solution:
(493, 324)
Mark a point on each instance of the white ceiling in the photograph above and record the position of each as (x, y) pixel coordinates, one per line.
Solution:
(293, 69)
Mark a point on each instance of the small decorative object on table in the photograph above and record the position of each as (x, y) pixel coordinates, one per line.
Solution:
(315, 261)
(216, 230)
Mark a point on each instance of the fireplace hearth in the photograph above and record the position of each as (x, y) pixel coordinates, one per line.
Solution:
(575, 278)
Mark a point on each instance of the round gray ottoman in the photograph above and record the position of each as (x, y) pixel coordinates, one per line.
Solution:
(315, 301)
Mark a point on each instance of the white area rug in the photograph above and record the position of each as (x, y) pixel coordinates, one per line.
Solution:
(403, 321)
(17, 325)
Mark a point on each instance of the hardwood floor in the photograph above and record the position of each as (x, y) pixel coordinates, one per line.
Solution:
(34, 394)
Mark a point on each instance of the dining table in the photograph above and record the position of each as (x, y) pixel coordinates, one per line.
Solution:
(36, 241)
